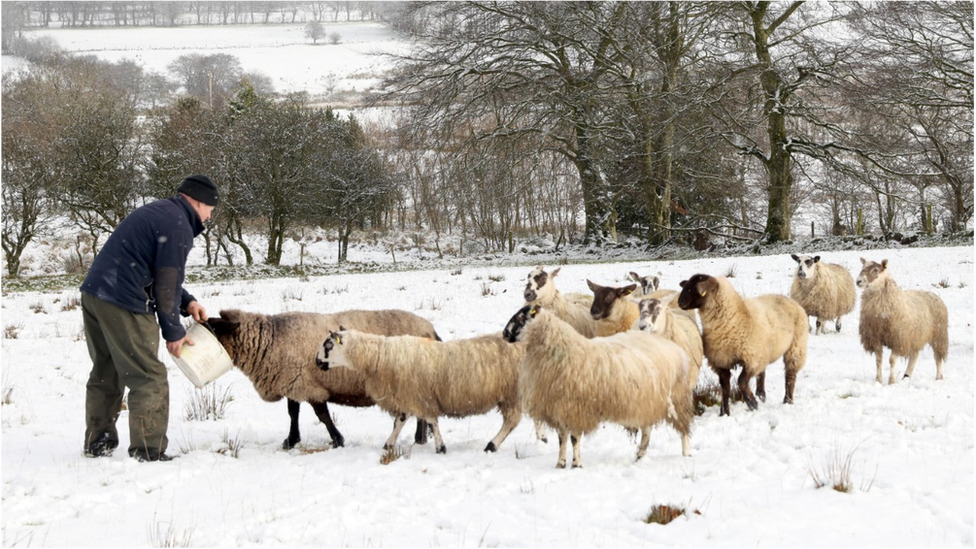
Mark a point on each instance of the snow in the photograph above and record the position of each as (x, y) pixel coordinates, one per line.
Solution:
(279, 51)
(749, 478)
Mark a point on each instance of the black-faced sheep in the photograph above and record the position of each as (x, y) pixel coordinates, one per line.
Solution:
(573, 383)
(408, 375)
(658, 317)
(905, 321)
(277, 353)
(751, 333)
(572, 308)
(612, 310)
(824, 290)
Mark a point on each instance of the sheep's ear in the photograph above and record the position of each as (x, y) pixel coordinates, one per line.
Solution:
(816, 259)
(656, 282)
(534, 310)
(884, 264)
(554, 273)
(342, 328)
(795, 257)
(707, 285)
(864, 261)
(222, 326)
(590, 284)
(682, 283)
(626, 290)
(634, 276)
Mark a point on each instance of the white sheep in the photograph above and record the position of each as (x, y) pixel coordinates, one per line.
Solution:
(658, 317)
(751, 333)
(650, 288)
(824, 290)
(646, 284)
(612, 310)
(572, 308)
(905, 321)
(427, 379)
(277, 353)
(573, 383)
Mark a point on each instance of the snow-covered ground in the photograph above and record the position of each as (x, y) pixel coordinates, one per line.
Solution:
(279, 51)
(748, 482)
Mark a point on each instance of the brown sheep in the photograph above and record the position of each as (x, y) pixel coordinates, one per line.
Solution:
(277, 353)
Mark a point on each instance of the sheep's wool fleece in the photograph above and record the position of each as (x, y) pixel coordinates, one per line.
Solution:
(681, 328)
(574, 383)
(623, 315)
(903, 320)
(427, 379)
(277, 352)
(829, 294)
(754, 332)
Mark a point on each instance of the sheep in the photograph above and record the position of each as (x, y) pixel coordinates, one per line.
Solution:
(751, 333)
(658, 317)
(611, 309)
(541, 290)
(573, 383)
(647, 284)
(277, 353)
(824, 290)
(415, 376)
(905, 321)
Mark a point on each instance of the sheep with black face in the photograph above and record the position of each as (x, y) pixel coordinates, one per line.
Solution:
(751, 333)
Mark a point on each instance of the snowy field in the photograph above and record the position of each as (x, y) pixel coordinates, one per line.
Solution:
(279, 51)
(748, 482)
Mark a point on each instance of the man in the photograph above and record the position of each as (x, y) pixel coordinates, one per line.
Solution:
(138, 273)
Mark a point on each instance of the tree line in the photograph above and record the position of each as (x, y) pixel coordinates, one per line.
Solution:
(576, 121)
(80, 145)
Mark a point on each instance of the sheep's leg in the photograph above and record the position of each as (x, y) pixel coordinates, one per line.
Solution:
(745, 391)
(938, 368)
(421, 435)
(294, 436)
(877, 361)
(576, 437)
(911, 363)
(686, 444)
(761, 386)
(398, 423)
(837, 324)
(563, 437)
(540, 431)
(438, 441)
(322, 412)
(511, 417)
(724, 379)
(891, 368)
(645, 439)
(790, 385)
(820, 328)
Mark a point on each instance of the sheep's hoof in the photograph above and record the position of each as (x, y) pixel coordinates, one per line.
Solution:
(904, 376)
(752, 404)
(338, 442)
(787, 400)
(577, 466)
(442, 449)
(546, 440)
(491, 447)
(288, 444)
(560, 464)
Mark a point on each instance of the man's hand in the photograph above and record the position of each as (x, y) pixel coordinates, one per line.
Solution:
(175, 348)
(197, 312)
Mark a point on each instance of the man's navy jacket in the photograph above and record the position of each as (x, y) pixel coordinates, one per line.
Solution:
(141, 266)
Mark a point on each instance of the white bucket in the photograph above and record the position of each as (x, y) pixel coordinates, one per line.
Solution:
(206, 359)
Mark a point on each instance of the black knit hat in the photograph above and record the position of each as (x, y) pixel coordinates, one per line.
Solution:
(200, 187)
